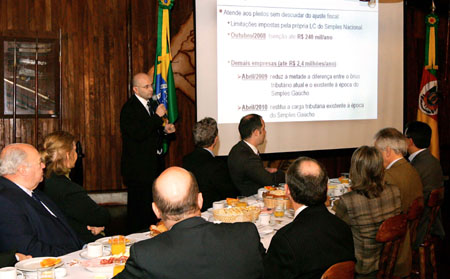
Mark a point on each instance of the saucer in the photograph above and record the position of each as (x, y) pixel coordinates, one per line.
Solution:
(84, 254)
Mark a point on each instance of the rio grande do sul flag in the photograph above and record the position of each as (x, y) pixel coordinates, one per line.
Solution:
(428, 97)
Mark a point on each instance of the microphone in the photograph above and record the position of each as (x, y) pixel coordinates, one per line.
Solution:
(155, 99)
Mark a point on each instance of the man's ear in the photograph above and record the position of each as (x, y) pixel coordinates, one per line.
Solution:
(286, 188)
(200, 200)
(156, 210)
(409, 142)
(22, 170)
(388, 151)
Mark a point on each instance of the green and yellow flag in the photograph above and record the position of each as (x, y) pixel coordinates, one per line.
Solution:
(163, 79)
(428, 97)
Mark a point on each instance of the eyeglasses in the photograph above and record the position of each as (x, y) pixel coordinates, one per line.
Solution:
(146, 86)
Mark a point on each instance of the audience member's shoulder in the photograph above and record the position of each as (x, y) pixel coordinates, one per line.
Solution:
(237, 227)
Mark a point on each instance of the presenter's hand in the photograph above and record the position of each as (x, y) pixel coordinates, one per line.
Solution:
(272, 170)
(169, 128)
(161, 110)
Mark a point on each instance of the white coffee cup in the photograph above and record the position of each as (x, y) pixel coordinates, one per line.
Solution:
(261, 191)
(218, 205)
(264, 219)
(94, 250)
(9, 273)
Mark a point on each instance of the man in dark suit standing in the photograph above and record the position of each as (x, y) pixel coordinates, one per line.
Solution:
(418, 136)
(246, 167)
(142, 124)
(192, 248)
(29, 221)
(211, 173)
(316, 239)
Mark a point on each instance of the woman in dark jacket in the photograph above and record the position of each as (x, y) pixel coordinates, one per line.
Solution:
(86, 217)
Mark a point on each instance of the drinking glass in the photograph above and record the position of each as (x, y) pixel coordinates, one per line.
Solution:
(117, 245)
(46, 273)
(279, 208)
(118, 268)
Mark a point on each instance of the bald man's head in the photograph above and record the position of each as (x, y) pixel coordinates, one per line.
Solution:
(175, 193)
(307, 181)
(142, 85)
(22, 164)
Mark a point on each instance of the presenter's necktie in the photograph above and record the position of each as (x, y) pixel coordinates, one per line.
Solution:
(152, 106)
(151, 110)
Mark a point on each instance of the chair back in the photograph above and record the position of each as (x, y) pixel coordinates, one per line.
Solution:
(413, 216)
(434, 202)
(342, 270)
(391, 232)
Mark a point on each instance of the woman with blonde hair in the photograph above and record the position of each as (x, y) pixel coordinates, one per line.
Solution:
(370, 202)
(86, 217)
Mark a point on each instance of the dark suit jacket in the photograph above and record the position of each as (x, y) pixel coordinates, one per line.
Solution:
(79, 209)
(430, 173)
(27, 226)
(139, 143)
(212, 176)
(247, 170)
(197, 249)
(308, 246)
(7, 258)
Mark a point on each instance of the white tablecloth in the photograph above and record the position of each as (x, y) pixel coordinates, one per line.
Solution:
(74, 269)
(266, 232)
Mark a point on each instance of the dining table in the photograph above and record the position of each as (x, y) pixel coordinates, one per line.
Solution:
(73, 265)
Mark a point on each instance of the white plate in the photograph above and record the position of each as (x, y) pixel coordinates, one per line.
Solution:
(34, 264)
(84, 254)
(139, 236)
(94, 265)
(104, 241)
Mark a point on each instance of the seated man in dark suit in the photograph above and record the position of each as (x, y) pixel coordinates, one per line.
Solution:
(316, 239)
(192, 248)
(418, 136)
(29, 220)
(212, 175)
(246, 167)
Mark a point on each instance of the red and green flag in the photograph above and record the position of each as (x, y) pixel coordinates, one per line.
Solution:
(428, 97)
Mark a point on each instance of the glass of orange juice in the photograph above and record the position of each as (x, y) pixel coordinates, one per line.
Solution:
(279, 208)
(118, 268)
(46, 273)
(117, 245)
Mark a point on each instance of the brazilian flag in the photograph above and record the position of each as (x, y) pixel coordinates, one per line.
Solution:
(163, 79)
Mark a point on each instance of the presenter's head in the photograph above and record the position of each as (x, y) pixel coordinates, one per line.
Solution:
(22, 164)
(142, 85)
(391, 143)
(252, 129)
(176, 196)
